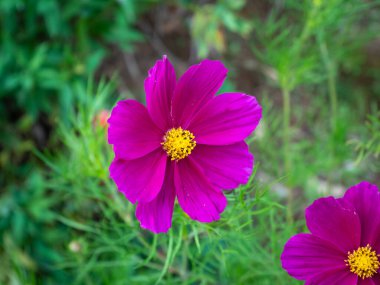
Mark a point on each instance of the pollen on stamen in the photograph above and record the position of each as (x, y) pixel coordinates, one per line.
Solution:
(178, 143)
(364, 262)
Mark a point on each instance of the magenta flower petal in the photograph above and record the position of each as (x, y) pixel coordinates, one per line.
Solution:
(139, 179)
(156, 215)
(365, 197)
(342, 277)
(195, 88)
(226, 119)
(329, 220)
(376, 279)
(306, 255)
(367, 282)
(226, 166)
(132, 131)
(159, 89)
(196, 195)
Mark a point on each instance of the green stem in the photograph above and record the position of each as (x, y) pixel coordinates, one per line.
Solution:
(306, 30)
(286, 130)
(168, 258)
(330, 68)
(286, 148)
(333, 100)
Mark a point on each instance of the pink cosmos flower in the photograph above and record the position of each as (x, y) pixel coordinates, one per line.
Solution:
(186, 144)
(344, 244)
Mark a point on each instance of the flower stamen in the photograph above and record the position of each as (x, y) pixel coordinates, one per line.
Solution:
(364, 262)
(178, 143)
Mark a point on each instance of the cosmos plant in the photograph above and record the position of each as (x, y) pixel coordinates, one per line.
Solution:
(186, 144)
(344, 244)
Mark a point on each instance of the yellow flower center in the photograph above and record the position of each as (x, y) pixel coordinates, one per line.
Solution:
(364, 262)
(178, 143)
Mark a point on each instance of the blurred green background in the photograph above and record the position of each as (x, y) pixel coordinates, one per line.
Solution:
(314, 65)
